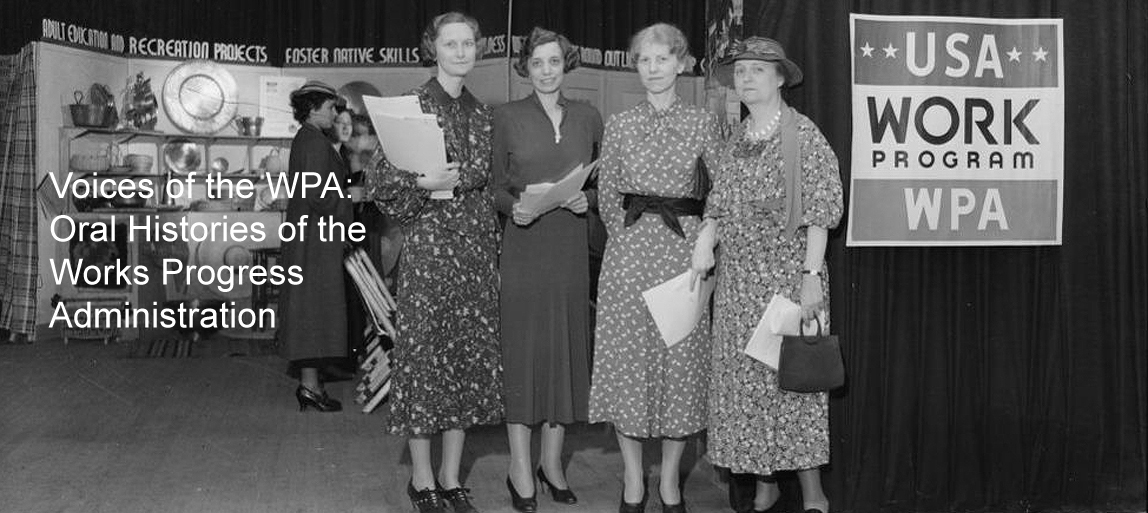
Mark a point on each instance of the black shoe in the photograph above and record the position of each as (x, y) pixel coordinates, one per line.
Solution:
(674, 508)
(742, 489)
(426, 501)
(520, 503)
(775, 508)
(308, 398)
(638, 507)
(564, 496)
(459, 500)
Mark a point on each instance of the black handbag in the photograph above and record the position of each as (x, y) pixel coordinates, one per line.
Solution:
(810, 363)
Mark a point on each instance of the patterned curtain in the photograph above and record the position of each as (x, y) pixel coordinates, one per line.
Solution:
(18, 217)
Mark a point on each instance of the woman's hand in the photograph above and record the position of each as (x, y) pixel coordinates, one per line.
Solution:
(577, 203)
(811, 296)
(702, 259)
(521, 217)
(445, 179)
(701, 262)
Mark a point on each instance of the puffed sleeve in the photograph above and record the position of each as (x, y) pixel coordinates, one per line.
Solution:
(609, 174)
(394, 190)
(596, 129)
(721, 179)
(501, 181)
(474, 171)
(313, 155)
(821, 195)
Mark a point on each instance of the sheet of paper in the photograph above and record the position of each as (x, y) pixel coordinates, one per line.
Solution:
(541, 198)
(275, 105)
(675, 308)
(406, 105)
(765, 343)
(411, 141)
(781, 317)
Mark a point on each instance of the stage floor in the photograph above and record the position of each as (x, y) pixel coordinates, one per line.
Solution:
(85, 428)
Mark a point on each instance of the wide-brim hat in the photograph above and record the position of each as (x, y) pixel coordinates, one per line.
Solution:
(757, 48)
(315, 86)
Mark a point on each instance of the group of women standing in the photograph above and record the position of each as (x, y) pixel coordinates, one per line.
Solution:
(494, 321)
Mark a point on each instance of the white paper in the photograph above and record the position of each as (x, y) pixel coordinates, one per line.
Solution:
(400, 106)
(411, 140)
(676, 309)
(275, 105)
(781, 317)
(540, 198)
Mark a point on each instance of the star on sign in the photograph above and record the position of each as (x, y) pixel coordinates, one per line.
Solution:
(890, 51)
(1013, 55)
(867, 51)
(1039, 54)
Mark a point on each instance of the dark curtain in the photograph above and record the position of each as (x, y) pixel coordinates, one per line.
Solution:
(995, 378)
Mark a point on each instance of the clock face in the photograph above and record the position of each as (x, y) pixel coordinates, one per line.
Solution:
(200, 97)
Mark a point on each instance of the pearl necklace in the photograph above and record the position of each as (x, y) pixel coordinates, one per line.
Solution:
(762, 133)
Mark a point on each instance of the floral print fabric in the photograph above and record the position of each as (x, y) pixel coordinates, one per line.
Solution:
(755, 427)
(644, 388)
(447, 364)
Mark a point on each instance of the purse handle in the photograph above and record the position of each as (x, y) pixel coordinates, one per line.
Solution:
(801, 330)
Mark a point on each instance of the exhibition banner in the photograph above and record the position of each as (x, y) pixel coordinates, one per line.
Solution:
(958, 131)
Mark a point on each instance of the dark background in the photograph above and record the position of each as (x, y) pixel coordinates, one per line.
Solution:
(1002, 378)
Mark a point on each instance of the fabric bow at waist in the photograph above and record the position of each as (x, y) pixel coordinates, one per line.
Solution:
(669, 208)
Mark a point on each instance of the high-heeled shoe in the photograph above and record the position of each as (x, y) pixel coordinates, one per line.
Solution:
(310, 399)
(638, 507)
(459, 499)
(520, 503)
(559, 495)
(426, 501)
(680, 507)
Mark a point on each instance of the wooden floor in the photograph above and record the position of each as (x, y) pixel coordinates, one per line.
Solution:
(83, 428)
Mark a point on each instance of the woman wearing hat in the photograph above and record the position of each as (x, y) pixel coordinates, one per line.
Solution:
(447, 361)
(776, 192)
(313, 313)
(651, 198)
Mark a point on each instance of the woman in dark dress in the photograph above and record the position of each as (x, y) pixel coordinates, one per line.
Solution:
(545, 294)
(447, 363)
(313, 313)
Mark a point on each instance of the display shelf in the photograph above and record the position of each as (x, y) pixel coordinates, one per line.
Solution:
(130, 135)
(112, 139)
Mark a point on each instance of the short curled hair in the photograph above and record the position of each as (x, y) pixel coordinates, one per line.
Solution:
(363, 121)
(302, 104)
(427, 54)
(666, 34)
(540, 36)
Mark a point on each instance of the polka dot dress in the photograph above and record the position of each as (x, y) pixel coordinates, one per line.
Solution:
(644, 388)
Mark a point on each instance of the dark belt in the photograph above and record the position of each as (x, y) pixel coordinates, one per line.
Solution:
(669, 208)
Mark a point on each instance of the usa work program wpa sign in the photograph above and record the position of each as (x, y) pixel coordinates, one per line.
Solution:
(958, 131)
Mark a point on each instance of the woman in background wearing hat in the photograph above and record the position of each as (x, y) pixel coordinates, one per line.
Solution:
(771, 217)
(447, 361)
(651, 199)
(313, 313)
(545, 264)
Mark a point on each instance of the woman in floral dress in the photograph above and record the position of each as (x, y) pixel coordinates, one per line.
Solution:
(771, 222)
(651, 204)
(447, 371)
